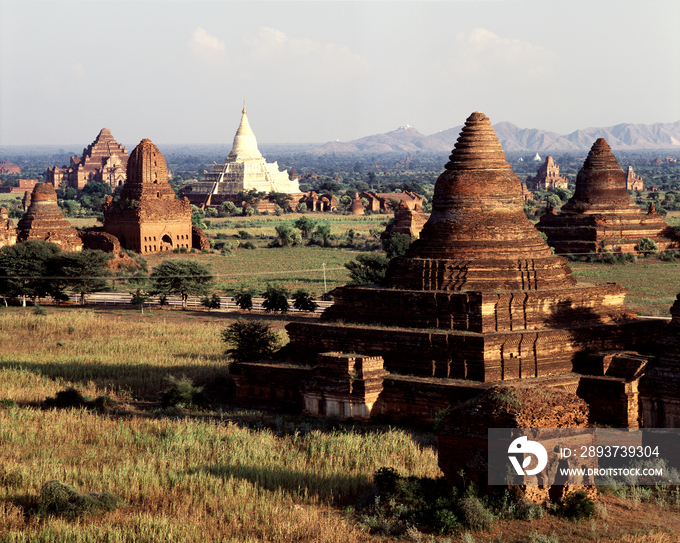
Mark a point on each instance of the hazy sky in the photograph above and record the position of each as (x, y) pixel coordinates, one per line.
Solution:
(314, 71)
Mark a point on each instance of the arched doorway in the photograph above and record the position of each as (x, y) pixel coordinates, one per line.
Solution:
(166, 243)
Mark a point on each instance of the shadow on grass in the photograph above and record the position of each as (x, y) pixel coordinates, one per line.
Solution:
(139, 379)
(338, 489)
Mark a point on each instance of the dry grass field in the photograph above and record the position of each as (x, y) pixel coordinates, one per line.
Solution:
(214, 475)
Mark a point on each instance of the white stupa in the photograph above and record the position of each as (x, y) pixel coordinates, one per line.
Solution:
(244, 169)
(538, 158)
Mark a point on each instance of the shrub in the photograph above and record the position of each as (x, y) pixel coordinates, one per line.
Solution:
(64, 399)
(182, 393)
(367, 269)
(7, 403)
(646, 246)
(386, 479)
(669, 255)
(445, 521)
(250, 340)
(212, 302)
(39, 310)
(578, 506)
(275, 299)
(59, 499)
(244, 299)
(396, 245)
(247, 245)
(304, 301)
(244, 234)
(475, 514)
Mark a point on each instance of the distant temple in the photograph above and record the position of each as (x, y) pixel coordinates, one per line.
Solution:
(547, 177)
(7, 167)
(634, 182)
(244, 169)
(104, 161)
(147, 218)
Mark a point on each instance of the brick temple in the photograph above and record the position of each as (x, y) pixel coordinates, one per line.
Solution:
(601, 214)
(548, 177)
(103, 161)
(44, 221)
(479, 298)
(148, 218)
(8, 231)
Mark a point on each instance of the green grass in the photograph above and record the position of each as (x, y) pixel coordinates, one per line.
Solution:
(652, 285)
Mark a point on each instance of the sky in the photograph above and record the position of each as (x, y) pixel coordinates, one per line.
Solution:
(179, 71)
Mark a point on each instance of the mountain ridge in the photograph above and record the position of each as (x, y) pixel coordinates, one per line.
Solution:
(624, 136)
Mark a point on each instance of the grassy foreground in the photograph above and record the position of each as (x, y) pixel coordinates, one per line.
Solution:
(182, 479)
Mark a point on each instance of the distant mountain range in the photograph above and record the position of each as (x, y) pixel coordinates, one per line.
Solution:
(622, 136)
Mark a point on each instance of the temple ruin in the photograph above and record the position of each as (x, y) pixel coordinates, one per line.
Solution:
(8, 232)
(601, 214)
(148, 218)
(479, 298)
(103, 161)
(633, 181)
(244, 169)
(548, 177)
(44, 221)
(7, 167)
(406, 221)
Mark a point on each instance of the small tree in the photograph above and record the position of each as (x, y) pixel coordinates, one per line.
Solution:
(285, 237)
(396, 245)
(646, 246)
(301, 208)
(211, 303)
(304, 301)
(367, 269)
(139, 298)
(182, 278)
(85, 272)
(323, 234)
(305, 225)
(275, 299)
(244, 299)
(250, 340)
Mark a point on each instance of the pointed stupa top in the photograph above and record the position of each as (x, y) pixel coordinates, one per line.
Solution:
(245, 145)
(478, 208)
(478, 147)
(147, 174)
(601, 180)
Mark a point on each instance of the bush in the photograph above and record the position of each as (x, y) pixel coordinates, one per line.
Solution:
(669, 255)
(396, 245)
(182, 393)
(7, 403)
(445, 521)
(304, 301)
(244, 300)
(475, 514)
(67, 398)
(247, 245)
(646, 246)
(59, 499)
(578, 506)
(275, 299)
(250, 340)
(367, 269)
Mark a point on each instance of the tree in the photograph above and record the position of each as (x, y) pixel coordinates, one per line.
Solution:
(646, 246)
(250, 340)
(301, 208)
(304, 301)
(305, 225)
(281, 199)
(285, 237)
(211, 303)
(85, 272)
(25, 269)
(396, 245)
(251, 198)
(139, 298)
(275, 299)
(323, 232)
(181, 278)
(244, 299)
(367, 269)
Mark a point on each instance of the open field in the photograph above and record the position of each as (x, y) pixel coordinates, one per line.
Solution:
(652, 284)
(215, 475)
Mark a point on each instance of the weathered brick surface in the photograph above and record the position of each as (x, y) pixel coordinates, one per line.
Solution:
(44, 221)
(602, 213)
(660, 386)
(8, 231)
(148, 218)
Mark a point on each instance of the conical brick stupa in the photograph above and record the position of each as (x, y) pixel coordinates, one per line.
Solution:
(479, 296)
(601, 215)
(44, 221)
